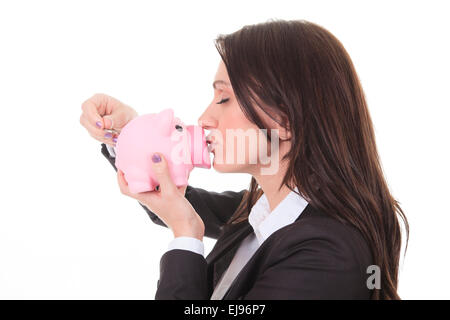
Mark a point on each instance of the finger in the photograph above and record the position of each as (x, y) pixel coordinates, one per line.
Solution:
(122, 177)
(123, 184)
(108, 122)
(93, 129)
(182, 189)
(117, 118)
(105, 141)
(146, 198)
(97, 133)
(162, 173)
(94, 108)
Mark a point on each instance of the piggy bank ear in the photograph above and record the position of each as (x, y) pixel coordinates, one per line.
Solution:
(165, 119)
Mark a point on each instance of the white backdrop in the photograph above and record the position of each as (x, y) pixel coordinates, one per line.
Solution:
(66, 231)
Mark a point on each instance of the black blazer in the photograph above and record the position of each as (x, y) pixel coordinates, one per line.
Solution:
(316, 257)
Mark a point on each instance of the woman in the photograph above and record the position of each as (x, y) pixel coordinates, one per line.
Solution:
(323, 225)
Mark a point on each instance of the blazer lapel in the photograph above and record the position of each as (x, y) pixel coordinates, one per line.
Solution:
(226, 246)
(224, 250)
(244, 279)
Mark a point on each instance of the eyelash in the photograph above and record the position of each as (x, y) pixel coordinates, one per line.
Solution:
(223, 101)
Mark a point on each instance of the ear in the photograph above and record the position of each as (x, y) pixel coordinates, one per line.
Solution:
(164, 120)
(285, 133)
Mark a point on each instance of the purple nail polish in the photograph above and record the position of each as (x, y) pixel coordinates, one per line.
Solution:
(115, 139)
(98, 124)
(156, 158)
(108, 135)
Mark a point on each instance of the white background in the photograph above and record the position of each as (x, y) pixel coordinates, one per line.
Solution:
(66, 231)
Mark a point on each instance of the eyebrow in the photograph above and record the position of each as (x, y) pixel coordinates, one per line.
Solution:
(215, 83)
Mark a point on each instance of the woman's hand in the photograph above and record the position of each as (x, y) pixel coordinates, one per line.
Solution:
(104, 112)
(168, 203)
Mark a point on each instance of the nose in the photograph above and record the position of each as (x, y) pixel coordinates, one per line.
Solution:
(207, 123)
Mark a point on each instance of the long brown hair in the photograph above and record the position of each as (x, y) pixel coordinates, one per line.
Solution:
(302, 72)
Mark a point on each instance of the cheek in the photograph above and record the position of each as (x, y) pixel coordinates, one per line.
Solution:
(246, 151)
(235, 118)
(231, 119)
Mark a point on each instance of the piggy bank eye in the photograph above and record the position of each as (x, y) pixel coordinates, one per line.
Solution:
(179, 128)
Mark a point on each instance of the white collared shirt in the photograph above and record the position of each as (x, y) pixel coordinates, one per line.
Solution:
(264, 223)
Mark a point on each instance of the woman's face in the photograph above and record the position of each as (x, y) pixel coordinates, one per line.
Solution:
(235, 139)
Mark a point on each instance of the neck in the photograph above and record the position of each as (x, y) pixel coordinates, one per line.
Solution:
(270, 183)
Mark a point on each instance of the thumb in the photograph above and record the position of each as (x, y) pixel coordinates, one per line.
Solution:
(116, 120)
(112, 122)
(108, 122)
(162, 173)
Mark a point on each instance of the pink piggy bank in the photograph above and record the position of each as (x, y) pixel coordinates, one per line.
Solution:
(184, 148)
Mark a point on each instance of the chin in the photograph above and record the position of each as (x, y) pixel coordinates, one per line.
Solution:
(228, 168)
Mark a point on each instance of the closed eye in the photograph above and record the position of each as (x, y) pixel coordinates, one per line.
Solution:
(223, 101)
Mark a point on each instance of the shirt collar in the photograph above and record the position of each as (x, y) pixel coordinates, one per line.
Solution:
(265, 223)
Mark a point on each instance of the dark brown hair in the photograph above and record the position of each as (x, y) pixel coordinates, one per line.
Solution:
(303, 73)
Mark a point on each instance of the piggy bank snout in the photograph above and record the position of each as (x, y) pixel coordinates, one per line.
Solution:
(199, 149)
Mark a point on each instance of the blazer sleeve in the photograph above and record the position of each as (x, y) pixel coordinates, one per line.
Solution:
(322, 260)
(183, 276)
(215, 208)
(314, 260)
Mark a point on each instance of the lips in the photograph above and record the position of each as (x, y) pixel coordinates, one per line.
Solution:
(211, 146)
(198, 147)
(211, 143)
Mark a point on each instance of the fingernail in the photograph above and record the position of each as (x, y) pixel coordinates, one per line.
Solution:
(108, 135)
(98, 124)
(115, 139)
(156, 158)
